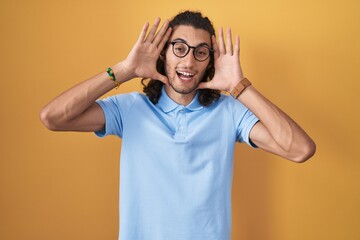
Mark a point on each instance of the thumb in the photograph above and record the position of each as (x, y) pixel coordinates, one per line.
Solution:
(161, 78)
(204, 85)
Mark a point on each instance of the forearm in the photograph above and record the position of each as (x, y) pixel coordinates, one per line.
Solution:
(286, 133)
(276, 132)
(76, 110)
(72, 103)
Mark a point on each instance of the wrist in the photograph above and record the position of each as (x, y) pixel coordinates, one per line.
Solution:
(233, 85)
(240, 87)
(122, 72)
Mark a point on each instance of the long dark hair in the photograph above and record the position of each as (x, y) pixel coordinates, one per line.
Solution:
(206, 96)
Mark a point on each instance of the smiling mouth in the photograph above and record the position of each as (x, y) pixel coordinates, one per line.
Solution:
(185, 75)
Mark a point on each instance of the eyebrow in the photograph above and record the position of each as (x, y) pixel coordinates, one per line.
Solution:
(183, 40)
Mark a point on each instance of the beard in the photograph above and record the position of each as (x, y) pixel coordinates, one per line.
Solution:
(183, 90)
(181, 86)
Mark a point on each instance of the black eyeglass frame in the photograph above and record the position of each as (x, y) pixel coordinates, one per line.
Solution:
(188, 50)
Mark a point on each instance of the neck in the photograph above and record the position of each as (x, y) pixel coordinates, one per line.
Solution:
(180, 98)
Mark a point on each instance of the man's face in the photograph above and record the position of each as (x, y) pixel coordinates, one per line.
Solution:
(185, 73)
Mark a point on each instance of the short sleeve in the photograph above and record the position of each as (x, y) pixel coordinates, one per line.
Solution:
(244, 121)
(115, 109)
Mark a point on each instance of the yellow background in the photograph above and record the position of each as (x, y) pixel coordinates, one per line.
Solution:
(303, 55)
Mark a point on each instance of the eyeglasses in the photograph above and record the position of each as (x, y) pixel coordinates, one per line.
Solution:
(181, 49)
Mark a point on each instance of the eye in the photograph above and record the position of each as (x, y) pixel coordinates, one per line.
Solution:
(202, 51)
(180, 48)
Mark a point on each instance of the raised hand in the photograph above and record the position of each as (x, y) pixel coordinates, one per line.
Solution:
(228, 71)
(141, 61)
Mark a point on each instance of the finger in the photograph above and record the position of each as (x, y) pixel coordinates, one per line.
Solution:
(237, 46)
(152, 32)
(164, 39)
(221, 42)
(159, 36)
(215, 46)
(229, 46)
(143, 32)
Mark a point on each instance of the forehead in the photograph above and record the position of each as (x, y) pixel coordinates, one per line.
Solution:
(193, 36)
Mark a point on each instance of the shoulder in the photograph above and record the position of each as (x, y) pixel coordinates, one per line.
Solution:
(229, 102)
(123, 101)
(229, 106)
(123, 98)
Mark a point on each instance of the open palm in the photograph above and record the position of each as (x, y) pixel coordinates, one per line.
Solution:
(141, 61)
(228, 71)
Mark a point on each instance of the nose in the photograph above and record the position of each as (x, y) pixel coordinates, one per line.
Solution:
(189, 59)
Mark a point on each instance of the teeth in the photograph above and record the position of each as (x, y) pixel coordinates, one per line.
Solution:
(186, 73)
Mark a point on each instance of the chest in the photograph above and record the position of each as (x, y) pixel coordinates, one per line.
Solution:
(198, 128)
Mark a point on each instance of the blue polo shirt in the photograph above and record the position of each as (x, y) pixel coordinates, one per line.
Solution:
(176, 165)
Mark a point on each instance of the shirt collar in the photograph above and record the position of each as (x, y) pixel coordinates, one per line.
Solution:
(168, 105)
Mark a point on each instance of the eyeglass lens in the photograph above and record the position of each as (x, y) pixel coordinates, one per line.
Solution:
(201, 53)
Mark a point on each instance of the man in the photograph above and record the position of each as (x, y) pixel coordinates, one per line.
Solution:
(178, 139)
